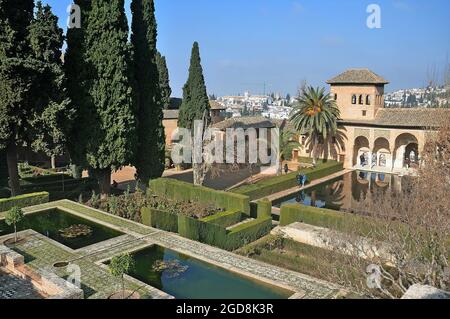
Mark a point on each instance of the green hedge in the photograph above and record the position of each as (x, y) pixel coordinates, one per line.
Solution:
(46, 179)
(322, 217)
(225, 219)
(159, 219)
(72, 187)
(279, 183)
(264, 208)
(216, 235)
(23, 201)
(183, 191)
(198, 230)
(248, 232)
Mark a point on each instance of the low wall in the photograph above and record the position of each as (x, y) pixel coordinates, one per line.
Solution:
(48, 283)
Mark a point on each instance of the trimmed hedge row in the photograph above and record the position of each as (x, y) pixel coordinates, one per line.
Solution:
(248, 232)
(322, 217)
(159, 219)
(46, 179)
(72, 187)
(182, 191)
(264, 208)
(23, 201)
(225, 219)
(279, 183)
(216, 235)
(198, 230)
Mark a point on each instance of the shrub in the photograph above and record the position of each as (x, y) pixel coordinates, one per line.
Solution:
(279, 183)
(159, 219)
(22, 201)
(178, 190)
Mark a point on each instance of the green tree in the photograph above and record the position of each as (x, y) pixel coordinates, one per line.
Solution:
(105, 138)
(119, 266)
(31, 84)
(15, 74)
(195, 98)
(315, 114)
(164, 82)
(46, 41)
(77, 69)
(13, 217)
(150, 155)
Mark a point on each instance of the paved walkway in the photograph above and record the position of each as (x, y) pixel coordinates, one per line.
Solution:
(97, 282)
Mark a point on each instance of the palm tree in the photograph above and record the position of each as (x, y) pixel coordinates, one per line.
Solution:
(315, 114)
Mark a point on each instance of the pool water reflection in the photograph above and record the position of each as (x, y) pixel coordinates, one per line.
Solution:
(346, 192)
(190, 278)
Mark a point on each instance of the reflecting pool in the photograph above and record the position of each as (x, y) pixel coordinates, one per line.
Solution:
(68, 229)
(345, 192)
(185, 277)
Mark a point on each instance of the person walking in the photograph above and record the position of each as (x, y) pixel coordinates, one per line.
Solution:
(286, 168)
(299, 180)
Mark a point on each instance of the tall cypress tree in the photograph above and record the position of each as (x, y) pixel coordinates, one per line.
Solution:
(29, 82)
(195, 97)
(105, 111)
(16, 76)
(164, 83)
(77, 71)
(149, 160)
(53, 124)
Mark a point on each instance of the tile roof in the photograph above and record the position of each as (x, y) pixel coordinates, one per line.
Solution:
(401, 117)
(357, 76)
(171, 114)
(216, 105)
(246, 122)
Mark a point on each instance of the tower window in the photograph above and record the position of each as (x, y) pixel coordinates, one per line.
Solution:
(361, 99)
(364, 113)
(335, 97)
(368, 100)
(353, 99)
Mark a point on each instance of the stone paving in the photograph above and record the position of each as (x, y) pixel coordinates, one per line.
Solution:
(42, 253)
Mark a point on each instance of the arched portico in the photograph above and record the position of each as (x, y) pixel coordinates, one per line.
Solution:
(406, 151)
(361, 152)
(382, 157)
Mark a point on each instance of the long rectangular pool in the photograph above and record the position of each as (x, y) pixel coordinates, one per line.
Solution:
(185, 277)
(68, 229)
(344, 193)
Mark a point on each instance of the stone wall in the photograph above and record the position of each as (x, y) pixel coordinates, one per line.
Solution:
(48, 283)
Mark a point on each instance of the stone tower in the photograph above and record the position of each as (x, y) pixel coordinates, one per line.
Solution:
(359, 93)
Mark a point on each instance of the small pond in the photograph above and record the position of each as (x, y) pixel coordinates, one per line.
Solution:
(185, 277)
(344, 193)
(68, 229)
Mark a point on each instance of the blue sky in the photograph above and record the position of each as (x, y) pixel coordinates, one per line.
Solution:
(246, 43)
